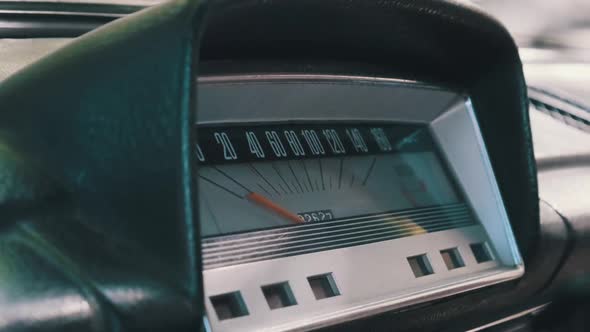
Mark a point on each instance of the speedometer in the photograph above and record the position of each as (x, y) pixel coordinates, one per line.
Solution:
(355, 184)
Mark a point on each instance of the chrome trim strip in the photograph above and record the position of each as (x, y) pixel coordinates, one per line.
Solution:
(306, 228)
(460, 140)
(287, 241)
(531, 311)
(493, 184)
(426, 295)
(210, 263)
(206, 324)
(297, 78)
(402, 229)
(63, 13)
(141, 3)
(222, 248)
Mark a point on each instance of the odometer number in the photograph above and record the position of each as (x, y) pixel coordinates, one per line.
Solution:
(316, 216)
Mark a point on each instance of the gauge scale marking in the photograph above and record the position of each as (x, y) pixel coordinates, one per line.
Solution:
(289, 189)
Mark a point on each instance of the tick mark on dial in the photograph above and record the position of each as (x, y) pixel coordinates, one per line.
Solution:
(264, 189)
(264, 179)
(282, 188)
(322, 175)
(307, 174)
(369, 171)
(282, 178)
(220, 187)
(232, 179)
(340, 173)
(295, 176)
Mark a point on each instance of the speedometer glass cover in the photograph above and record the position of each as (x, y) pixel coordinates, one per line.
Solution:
(323, 186)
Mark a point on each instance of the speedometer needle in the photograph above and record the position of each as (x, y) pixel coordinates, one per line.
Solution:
(270, 205)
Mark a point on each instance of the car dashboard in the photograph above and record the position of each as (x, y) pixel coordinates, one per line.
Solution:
(285, 166)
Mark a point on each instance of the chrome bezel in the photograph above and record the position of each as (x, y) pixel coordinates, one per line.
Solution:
(453, 124)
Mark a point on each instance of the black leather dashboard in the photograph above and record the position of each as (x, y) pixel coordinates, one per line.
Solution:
(86, 250)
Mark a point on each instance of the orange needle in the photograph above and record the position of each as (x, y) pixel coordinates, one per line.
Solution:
(267, 203)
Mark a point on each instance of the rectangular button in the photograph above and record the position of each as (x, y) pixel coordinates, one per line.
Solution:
(420, 265)
(229, 305)
(323, 286)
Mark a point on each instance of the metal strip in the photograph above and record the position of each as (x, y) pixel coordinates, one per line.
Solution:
(531, 311)
(234, 251)
(316, 78)
(344, 243)
(282, 240)
(312, 226)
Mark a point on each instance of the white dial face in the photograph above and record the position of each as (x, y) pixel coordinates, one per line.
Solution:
(241, 197)
(253, 195)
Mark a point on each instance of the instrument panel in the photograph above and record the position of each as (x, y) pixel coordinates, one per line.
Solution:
(328, 198)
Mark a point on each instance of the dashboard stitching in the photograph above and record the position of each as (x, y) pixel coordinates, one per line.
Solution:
(560, 98)
(559, 114)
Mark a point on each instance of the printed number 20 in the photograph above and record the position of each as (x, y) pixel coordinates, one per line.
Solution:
(229, 153)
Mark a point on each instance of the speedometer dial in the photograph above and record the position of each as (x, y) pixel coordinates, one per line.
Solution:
(264, 177)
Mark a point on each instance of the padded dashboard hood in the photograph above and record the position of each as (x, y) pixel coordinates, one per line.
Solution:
(97, 137)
